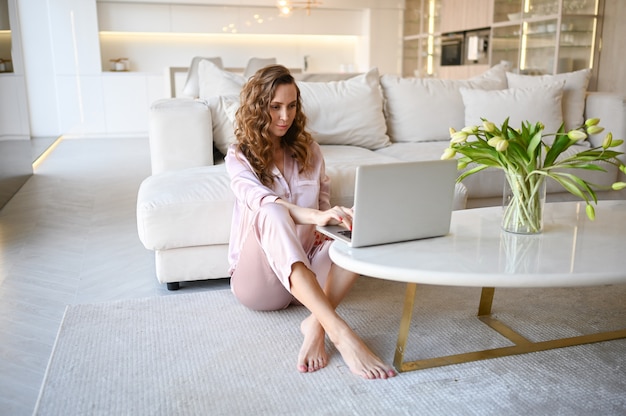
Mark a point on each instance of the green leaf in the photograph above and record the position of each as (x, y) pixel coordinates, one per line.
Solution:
(512, 134)
(570, 187)
(471, 172)
(533, 146)
(518, 150)
(575, 165)
(575, 185)
(585, 186)
(598, 154)
(487, 156)
(560, 144)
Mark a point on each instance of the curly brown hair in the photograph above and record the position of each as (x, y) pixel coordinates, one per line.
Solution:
(253, 121)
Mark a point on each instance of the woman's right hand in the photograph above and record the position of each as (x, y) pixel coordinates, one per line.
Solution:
(337, 215)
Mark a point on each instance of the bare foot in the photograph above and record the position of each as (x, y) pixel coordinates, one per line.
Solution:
(312, 356)
(360, 359)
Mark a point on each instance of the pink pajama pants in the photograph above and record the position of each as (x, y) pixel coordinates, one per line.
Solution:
(260, 280)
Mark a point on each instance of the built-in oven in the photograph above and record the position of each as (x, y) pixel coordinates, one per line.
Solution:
(452, 49)
(465, 48)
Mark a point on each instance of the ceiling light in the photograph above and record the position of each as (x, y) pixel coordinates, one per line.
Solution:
(286, 6)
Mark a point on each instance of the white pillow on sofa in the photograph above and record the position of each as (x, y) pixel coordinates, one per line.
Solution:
(519, 104)
(192, 88)
(574, 92)
(497, 73)
(423, 109)
(214, 81)
(223, 109)
(348, 112)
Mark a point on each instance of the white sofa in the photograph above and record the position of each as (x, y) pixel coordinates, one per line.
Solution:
(184, 208)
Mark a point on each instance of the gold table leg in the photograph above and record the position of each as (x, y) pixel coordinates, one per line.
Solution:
(405, 325)
(486, 300)
(521, 344)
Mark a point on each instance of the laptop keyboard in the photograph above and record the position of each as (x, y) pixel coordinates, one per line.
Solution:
(346, 233)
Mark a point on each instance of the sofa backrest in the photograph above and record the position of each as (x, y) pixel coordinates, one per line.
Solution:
(373, 111)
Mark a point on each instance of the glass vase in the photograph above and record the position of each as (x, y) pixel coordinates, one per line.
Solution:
(523, 201)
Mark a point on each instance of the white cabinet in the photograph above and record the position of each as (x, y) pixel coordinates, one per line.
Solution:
(461, 15)
(129, 17)
(107, 104)
(546, 36)
(425, 21)
(126, 100)
(155, 36)
(13, 107)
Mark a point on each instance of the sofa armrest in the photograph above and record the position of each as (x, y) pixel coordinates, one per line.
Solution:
(611, 109)
(181, 134)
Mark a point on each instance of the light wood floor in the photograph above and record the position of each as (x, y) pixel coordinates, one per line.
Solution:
(69, 236)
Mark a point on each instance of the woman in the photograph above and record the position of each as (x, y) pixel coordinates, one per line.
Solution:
(276, 256)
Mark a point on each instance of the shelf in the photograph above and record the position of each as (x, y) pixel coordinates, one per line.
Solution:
(549, 33)
(421, 36)
(542, 35)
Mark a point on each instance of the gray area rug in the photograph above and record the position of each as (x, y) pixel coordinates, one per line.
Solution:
(204, 354)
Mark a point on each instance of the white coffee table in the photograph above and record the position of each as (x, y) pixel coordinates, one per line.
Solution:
(572, 251)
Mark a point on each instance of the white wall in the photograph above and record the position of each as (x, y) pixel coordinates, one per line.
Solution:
(152, 53)
(382, 40)
(71, 91)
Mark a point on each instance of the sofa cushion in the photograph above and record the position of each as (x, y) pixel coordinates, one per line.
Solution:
(341, 163)
(189, 207)
(574, 92)
(420, 110)
(519, 104)
(326, 106)
(214, 81)
(348, 112)
(179, 132)
(496, 73)
(415, 151)
(192, 83)
(323, 76)
(223, 109)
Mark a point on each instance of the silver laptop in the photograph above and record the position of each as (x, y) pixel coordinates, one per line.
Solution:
(396, 202)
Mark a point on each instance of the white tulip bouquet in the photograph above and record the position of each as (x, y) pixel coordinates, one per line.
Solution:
(519, 153)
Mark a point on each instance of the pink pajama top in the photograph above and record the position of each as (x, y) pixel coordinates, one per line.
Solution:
(309, 190)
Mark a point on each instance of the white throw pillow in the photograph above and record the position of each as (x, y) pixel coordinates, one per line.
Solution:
(519, 104)
(214, 81)
(192, 88)
(223, 109)
(495, 73)
(348, 112)
(423, 109)
(574, 92)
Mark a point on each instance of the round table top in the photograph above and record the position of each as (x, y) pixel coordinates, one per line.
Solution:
(571, 251)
